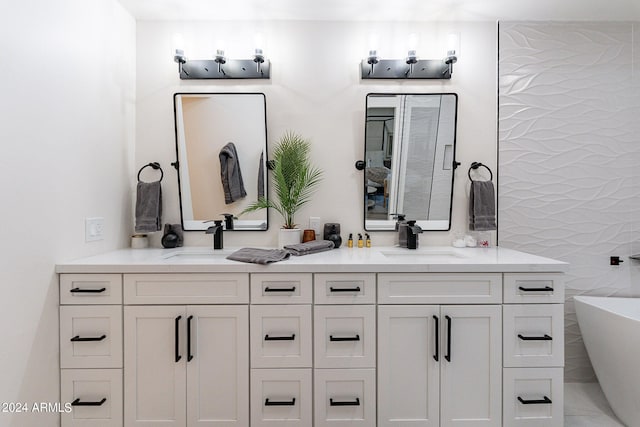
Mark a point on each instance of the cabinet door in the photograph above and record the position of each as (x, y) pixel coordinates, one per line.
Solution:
(471, 366)
(217, 354)
(408, 372)
(155, 374)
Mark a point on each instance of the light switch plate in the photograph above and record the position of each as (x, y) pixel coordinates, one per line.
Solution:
(314, 224)
(93, 229)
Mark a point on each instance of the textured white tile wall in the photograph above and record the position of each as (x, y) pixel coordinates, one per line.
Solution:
(569, 156)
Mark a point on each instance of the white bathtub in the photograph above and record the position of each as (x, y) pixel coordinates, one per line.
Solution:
(611, 331)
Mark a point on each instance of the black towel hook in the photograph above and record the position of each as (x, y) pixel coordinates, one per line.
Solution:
(154, 165)
(476, 165)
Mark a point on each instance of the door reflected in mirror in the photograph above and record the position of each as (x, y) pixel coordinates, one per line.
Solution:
(221, 144)
(409, 159)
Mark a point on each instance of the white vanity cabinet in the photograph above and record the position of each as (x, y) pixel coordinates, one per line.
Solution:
(186, 365)
(344, 338)
(438, 365)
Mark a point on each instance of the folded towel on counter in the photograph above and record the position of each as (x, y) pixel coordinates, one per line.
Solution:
(482, 206)
(148, 207)
(230, 173)
(312, 247)
(259, 256)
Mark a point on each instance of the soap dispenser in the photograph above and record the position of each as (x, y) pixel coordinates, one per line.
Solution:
(401, 228)
(412, 234)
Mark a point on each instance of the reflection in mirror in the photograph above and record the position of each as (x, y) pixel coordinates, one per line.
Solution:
(409, 159)
(221, 144)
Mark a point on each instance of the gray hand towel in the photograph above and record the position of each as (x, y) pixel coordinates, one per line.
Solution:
(230, 173)
(482, 206)
(259, 256)
(311, 247)
(148, 207)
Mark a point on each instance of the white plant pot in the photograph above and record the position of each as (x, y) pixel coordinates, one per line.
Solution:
(289, 236)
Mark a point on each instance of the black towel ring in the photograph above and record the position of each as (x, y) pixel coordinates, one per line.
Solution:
(154, 165)
(476, 165)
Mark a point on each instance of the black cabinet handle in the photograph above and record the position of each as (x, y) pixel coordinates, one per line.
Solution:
(437, 338)
(545, 289)
(77, 402)
(356, 289)
(291, 289)
(448, 355)
(544, 401)
(78, 338)
(345, 402)
(285, 338)
(291, 402)
(545, 337)
(177, 335)
(189, 355)
(332, 338)
(87, 291)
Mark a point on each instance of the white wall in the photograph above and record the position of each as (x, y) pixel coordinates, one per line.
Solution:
(569, 156)
(67, 126)
(316, 90)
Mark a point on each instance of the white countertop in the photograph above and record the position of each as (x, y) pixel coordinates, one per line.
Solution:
(375, 260)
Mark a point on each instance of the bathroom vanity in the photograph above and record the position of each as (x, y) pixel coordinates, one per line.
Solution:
(352, 337)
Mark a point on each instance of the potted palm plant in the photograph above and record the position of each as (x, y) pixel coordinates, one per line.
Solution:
(294, 180)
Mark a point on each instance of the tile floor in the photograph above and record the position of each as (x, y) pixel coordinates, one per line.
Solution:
(586, 406)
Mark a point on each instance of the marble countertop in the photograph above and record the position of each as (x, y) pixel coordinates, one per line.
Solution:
(375, 260)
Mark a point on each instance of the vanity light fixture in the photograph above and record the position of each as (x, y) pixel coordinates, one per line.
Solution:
(223, 68)
(409, 68)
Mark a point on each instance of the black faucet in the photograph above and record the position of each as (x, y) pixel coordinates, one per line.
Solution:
(216, 230)
(412, 234)
(228, 221)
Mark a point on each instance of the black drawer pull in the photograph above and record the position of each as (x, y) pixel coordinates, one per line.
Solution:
(285, 338)
(545, 401)
(545, 289)
(78, 338)
(77, 402)
(87, 291)
(291, 402)
(345, 402)
(545, 337)
(356, 289)
(447, 356)
(332, 338)
(291, 289)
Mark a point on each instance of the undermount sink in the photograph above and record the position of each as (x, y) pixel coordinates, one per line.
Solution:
(425, 254)
(203, 253)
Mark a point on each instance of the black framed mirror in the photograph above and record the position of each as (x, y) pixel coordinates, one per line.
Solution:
(221, 149)
(409, 159)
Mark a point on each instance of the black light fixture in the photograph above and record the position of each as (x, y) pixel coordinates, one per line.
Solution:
(223, 68)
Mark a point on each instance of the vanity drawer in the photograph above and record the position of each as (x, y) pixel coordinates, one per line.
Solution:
(536, 288)
(95, 396)
(91, 336)
(436, 288)
(188, 288)
(533, 397)
(281, 397)
(90, 289)
(345, 397)
(281, 336)
(345, 336)
(282, 288)
(533, 335)
(345, 288)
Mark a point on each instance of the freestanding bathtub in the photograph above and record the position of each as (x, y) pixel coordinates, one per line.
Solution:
(611, 331)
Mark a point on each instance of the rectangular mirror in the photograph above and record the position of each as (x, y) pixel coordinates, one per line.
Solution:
(410, 145)
(221, 147)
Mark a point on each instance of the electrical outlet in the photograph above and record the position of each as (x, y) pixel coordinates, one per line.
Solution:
(314, 224)
(93, 229)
